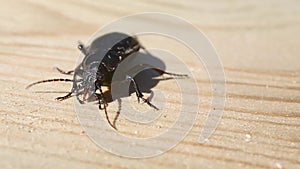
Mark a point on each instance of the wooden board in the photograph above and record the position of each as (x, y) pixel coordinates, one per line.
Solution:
(257, 42)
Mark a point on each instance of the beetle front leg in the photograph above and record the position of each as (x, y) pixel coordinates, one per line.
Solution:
(65, 97)
(64, 72)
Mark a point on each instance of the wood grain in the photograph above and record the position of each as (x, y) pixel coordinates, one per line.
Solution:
(258, 45)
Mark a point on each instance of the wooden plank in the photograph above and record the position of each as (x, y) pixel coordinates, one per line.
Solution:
(258, 45)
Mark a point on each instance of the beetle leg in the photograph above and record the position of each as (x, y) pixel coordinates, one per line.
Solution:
(118, 112)
(171, 74)
(64, 72)
(64, 97)
(101, 97)
(139, 93)
(68, 95)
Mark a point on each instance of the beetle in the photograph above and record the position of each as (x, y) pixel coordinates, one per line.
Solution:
(97, 68)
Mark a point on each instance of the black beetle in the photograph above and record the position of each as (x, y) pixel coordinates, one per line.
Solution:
(101, 59)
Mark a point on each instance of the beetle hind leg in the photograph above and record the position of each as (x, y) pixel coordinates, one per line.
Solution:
(139, 94)
(171, 74)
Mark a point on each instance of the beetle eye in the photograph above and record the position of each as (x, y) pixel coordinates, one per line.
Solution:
(80, 46)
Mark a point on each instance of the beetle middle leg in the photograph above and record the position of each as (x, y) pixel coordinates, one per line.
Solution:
(139, 94)
(118, 112)
(101, 98)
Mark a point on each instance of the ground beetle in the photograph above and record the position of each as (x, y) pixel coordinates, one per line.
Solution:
(101, 59)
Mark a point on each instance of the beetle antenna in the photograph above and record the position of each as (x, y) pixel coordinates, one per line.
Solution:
(49, 80)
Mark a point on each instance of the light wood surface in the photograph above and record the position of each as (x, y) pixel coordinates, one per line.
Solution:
(258, 43)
